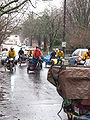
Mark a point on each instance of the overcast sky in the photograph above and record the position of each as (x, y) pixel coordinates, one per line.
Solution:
(41, 5)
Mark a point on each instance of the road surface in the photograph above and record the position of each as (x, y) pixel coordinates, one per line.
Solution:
(29, 96)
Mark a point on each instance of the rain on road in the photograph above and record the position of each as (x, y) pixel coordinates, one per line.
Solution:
(29, 97)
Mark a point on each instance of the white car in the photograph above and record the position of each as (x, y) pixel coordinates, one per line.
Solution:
(3, 57)
(76, 56)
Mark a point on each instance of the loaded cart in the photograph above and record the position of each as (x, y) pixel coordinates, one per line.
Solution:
(73, 85)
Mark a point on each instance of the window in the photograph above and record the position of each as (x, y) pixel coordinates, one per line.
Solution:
(76, 53)
(82, 52)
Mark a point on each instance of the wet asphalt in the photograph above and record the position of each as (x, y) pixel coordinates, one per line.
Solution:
(28, 96)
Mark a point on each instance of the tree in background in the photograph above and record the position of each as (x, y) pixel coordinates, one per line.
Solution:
(78, 28)
(47, 27)
(11, 12)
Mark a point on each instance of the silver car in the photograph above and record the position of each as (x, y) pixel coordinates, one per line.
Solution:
(76, 55)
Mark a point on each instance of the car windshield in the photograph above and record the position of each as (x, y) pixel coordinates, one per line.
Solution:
(76, 53)
(82, 52)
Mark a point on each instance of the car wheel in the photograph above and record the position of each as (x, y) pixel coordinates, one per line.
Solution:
(75, 63)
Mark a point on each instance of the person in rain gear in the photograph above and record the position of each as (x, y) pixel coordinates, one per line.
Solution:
(36, 54)
(59, 54)
(11, 53)
(53, 54)
(29, 53)
(86, 55)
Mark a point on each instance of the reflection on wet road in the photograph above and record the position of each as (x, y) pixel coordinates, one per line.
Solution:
(29, 97)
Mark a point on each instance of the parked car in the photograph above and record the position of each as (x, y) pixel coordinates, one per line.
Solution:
(76, 56)
(3, 57)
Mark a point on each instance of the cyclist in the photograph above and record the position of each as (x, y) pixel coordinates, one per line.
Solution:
(11, 53)
(36, 54)
(59, 54)
(53, 54)
(29, 53)
(20, 53)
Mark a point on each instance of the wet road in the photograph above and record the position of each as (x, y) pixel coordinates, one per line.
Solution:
(29, 97)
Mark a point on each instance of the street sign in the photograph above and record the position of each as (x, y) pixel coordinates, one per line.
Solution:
(63, 44)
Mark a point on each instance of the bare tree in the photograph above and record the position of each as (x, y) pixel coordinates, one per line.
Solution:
(8, 7)
(44, 28)
(78, 23)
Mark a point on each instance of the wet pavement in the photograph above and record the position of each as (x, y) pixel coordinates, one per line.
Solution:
(28, 97)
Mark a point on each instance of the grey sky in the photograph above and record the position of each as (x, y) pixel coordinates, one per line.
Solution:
(41, 5)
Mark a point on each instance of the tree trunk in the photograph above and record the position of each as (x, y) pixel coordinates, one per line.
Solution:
(39, 41)
(51, 46)
(45, 42)
(31, 41)
(51, 43)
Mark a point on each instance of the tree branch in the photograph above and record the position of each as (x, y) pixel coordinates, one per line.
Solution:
(2, 7)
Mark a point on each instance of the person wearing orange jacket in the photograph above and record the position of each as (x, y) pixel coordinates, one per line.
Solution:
(36, 54)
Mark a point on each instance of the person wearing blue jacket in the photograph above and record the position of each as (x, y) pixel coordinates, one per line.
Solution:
(53, 54)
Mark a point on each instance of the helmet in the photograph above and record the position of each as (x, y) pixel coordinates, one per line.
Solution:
(11, 48)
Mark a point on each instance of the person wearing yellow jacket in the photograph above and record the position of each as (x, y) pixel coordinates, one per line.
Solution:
(11, 53)
(59, 54)
(86, 55)
(29, 53)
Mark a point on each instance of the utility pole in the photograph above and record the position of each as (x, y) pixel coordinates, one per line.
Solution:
(64, 28)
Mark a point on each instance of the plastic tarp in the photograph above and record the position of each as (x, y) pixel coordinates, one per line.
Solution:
(73, 82)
